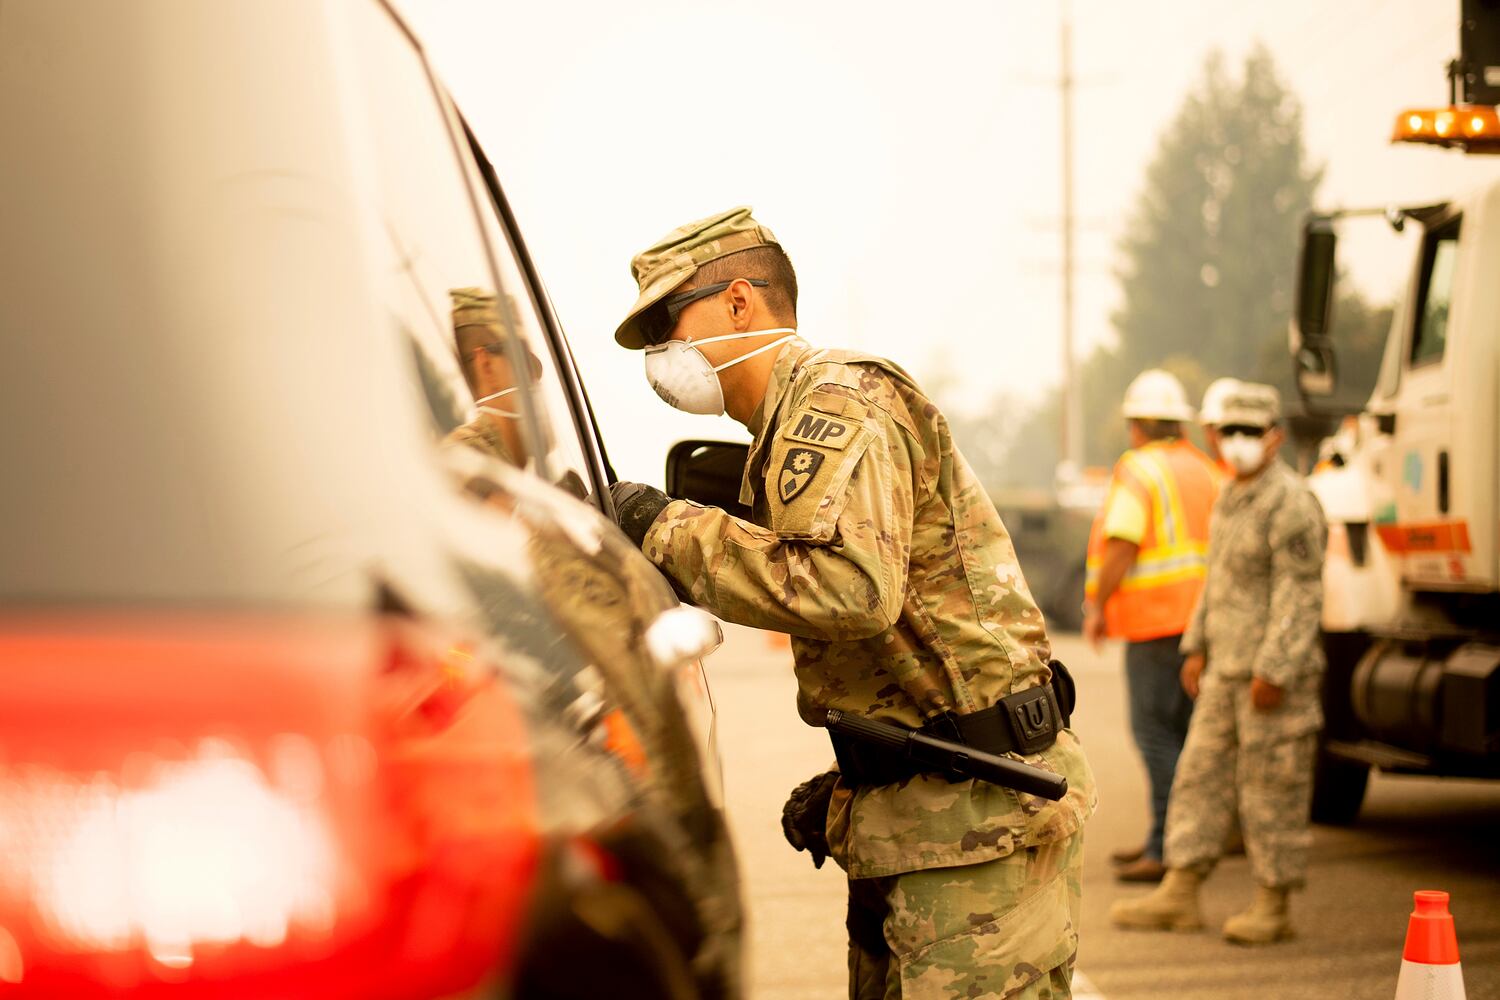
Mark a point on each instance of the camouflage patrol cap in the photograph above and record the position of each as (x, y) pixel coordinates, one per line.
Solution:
(674, 258)
(1251, 405)
(480, 307)
(477, 307)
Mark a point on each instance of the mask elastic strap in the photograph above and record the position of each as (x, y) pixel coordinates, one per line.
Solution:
(495, 409)
(759, 350)
(496, 395)
(741, 336)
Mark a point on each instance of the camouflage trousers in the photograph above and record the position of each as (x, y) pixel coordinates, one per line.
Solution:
(1260, 761)
(1004, 928)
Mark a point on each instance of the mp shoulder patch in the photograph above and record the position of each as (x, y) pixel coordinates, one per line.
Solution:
(798, 469)
(811, 427)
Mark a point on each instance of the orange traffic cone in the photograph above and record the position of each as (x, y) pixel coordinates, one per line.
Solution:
(1429, 964)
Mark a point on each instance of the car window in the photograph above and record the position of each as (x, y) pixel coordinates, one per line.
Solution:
(439, 283)
(1435, 295)
(558, 427)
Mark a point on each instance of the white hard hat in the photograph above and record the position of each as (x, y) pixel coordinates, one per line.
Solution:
(1212, 410)
(1156, 395)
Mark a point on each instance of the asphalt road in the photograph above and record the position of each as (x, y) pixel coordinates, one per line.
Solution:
(1413, 834)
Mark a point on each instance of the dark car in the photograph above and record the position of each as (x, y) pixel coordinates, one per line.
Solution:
(300, 700)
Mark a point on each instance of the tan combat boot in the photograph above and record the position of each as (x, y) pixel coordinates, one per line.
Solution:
(1171, 906)
(1265, 922)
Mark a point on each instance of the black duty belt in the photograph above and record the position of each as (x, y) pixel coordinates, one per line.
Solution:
(1026, 722)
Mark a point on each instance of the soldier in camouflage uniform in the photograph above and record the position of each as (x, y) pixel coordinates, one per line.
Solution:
(1255, 662)
(479, 334)
(874, 547)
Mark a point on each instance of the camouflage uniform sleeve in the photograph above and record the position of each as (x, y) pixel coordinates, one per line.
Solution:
(1297, 538)
(832, 565)
(1192, 639)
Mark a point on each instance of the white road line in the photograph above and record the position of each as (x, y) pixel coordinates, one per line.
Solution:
(1083, 989)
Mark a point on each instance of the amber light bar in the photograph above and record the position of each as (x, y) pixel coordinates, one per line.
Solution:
(1474, 128)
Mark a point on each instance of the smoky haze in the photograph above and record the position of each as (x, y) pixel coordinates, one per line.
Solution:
(909, 160)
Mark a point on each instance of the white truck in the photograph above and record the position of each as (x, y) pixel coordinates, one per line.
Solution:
(1411, 482)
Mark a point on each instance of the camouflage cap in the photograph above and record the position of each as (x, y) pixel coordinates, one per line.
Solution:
(1211, 412)
(480, 307)
(477, 307)
(1251, 405)
(675, 257)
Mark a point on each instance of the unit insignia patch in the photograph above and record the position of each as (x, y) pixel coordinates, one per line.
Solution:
(797, 471)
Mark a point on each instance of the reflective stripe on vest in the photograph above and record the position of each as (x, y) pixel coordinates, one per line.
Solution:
(1177, 485)
(1175, 554)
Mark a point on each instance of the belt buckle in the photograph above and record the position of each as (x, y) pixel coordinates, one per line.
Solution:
(1032, 718)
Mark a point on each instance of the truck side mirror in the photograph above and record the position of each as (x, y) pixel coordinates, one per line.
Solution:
(1312, 319)
(708, 472)
(1315, 369)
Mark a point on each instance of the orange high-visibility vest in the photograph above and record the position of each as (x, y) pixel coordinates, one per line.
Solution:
(1176, 484)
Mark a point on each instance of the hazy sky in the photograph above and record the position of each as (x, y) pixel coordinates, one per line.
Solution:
(907, 156)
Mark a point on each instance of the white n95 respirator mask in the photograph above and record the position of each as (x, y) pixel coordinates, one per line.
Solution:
(683, 377)
(1244, 454)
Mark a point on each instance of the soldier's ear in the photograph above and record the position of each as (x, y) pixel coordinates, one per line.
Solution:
(741, 304)
(481, 363)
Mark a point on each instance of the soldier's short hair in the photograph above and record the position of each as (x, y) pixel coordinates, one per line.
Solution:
(768, 263)
(1158, 430)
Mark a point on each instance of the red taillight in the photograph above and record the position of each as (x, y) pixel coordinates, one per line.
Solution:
(249, 808)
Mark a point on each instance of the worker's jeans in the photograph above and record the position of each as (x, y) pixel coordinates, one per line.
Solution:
(1159, 714)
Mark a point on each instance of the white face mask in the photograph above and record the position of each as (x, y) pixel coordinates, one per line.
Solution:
(498, 411)
(683, 377)
(1243, 453)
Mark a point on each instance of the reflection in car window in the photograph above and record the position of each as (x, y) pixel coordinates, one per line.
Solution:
(447, 410)
(565, 456)
(440, 284)
(480, 320)
(1436, 295)
(518, 613)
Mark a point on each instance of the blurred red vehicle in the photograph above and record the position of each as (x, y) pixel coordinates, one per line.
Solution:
(297, 702)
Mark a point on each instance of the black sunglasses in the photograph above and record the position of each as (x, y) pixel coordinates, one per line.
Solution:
(1241, 430)
(657, 323)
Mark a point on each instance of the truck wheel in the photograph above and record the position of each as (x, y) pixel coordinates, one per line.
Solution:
(1338, 789)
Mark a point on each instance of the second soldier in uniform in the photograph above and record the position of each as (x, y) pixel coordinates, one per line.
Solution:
(874, 547)
(1254, 665)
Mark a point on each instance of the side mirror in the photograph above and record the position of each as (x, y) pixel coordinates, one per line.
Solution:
(681, 635)
(1312, 318)
(708, 472)
(1316, 370)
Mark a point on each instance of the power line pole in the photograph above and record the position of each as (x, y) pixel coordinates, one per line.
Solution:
(1070, 434)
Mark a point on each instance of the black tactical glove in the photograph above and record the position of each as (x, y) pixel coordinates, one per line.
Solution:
(637, 506)
(804, 818)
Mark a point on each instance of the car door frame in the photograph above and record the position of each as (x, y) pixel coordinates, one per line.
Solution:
(585, 424)
(1425, 414)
